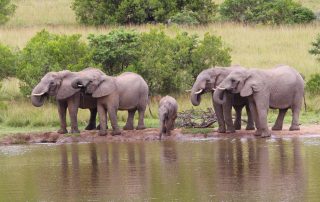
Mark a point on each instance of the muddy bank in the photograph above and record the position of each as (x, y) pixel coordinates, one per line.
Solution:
(150, 134)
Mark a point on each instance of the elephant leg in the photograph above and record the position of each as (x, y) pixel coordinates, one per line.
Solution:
(98, 127)
(102, 116)
(112, 112)
(141, 125)
(250, 122)
(73, 112)
(219, 113)
(262, 111)
(254, 113)
(62, 110)
(129, 124)
(295, 118)
(227, 109)
(92, 121)
(279, 122)
(237, 121)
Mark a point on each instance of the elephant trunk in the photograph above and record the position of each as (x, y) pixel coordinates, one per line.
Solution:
(219, 96)
(196, 97)
(38, 96)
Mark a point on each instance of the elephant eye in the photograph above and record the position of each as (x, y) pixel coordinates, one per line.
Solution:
(51, 83)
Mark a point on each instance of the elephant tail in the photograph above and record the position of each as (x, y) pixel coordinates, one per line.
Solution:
(304, 100)
(149, 103)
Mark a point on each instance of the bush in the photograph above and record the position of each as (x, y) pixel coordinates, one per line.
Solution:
(116, 50)
(266, 11)
(7, 62)
(139, 11)
(47, 52)
(315, 50)
(313, 84)
(185, 17)
(6, 10)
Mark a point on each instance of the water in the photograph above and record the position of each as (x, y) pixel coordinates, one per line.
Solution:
(244, 169)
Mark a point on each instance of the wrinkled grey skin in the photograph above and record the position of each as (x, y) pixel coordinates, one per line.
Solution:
(168, 108)
(128, 91)
(58, 85)
(207, 81)
(279, 88)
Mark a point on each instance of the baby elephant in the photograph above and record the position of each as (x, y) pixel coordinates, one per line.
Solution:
(168, 108)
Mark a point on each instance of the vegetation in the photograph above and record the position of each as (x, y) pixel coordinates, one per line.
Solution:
(6, 10)
(139, 11)
(266, 11)
(7, 62)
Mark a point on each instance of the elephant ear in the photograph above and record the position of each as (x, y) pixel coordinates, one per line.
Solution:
(251, 85)
(106, 87)
(65, 89)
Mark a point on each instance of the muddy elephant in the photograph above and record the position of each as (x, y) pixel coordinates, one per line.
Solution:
(207, 81)
(168, 108)
(58, 85)
(279, 88)
(128, 91)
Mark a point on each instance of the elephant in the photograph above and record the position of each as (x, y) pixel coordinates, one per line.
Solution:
(280, 88)
(58, 85)
(168, 108)
(128, 91)
(207, 81)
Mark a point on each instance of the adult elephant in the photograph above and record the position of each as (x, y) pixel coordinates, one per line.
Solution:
(279, 88)
(207, 81)
(58, 85)
(128, 91)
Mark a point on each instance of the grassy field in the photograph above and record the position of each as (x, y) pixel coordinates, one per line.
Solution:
(252, 46)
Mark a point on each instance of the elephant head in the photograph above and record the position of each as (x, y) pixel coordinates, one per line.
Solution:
(94, 82)
(207, 81)
(55, 84)
(245, 82)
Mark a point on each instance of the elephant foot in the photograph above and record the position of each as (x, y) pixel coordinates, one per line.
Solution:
(294, 127)
(250, 128)
(90, 127)
(75, 131)
(276, 127)
(221, 130)
(128, 127)
(237, 126)
(257, 133)
(141, 127)
(231, 130)
(62, 131)
(102, 132)
(265, 134)
(116, 132)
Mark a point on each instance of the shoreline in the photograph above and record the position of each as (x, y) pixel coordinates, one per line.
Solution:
(146, 135)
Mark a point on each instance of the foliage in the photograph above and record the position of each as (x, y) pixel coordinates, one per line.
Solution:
(107, 12)
(185, 17)
(47, 52)
(6, 10)
(313, 84)
(116, 50)
(315, 50)
(266, 11)
(7, 62)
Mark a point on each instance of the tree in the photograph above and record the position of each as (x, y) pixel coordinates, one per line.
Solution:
(6, 10)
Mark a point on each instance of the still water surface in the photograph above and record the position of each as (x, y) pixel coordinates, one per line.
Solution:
(244, 169)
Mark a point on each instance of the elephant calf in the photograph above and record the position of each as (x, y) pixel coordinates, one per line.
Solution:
(168, 108)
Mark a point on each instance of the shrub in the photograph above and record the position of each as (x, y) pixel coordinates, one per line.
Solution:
(139, 11)
(266, 11)
(7, 62)
(50, 52)
(116, 50)
(185, 17)
(313, 84)
(315, 50)
(6, 10)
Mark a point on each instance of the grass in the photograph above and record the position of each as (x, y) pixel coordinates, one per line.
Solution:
(252, 46)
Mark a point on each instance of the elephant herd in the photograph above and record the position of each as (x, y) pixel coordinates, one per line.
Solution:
(257, 90)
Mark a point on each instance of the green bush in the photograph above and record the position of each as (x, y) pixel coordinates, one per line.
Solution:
(108, 12)
(116, 50)
(7, 62)
(185, 17)
(315, 50)
(47, 52)
(313, 84)
(266, 11)
(6, 10)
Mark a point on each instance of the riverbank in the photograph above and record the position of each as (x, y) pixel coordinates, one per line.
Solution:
(149, 134)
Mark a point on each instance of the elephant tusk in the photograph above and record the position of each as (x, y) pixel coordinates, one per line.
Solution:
(213, 89)
(199, 91)
(80, 85)
(220, 88)
(37, 94)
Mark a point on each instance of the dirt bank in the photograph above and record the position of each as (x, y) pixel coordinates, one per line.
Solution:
(150, 134)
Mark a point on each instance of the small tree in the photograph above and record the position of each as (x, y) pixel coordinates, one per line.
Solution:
(115, 51)
(47, 52)
(6, 10)
(315, 49)
(7, 62)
